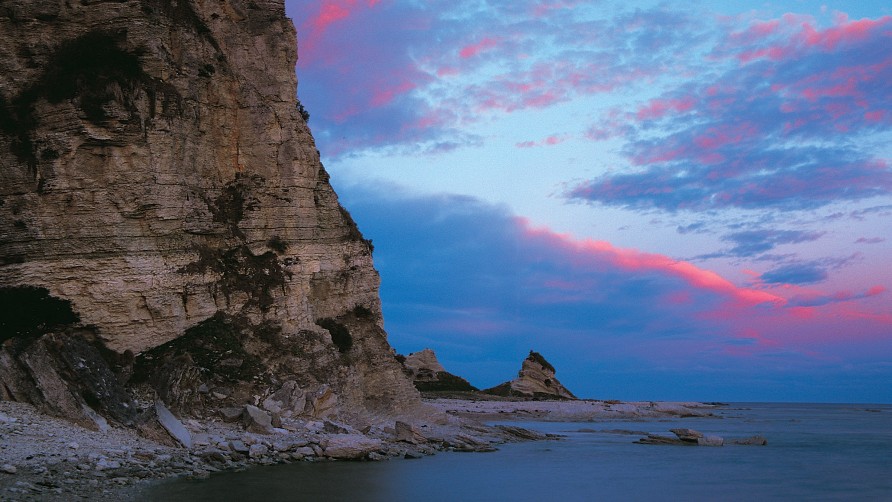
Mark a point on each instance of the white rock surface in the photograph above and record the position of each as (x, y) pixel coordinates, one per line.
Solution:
(173, 425)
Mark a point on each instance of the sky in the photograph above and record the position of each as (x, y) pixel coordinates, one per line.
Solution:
(668, 200)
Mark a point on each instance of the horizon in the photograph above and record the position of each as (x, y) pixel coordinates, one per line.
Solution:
(682, 202)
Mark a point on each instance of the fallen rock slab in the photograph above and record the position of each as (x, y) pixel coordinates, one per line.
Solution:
(350, 446)
(257, 420)
(173, 425)
(408, 433)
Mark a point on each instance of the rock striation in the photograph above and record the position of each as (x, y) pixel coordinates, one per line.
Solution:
(429, 375)
(167, 229)
(535, 380)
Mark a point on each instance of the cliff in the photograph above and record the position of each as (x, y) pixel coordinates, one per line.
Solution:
(429, 375)
(536, 379)
(167, 229)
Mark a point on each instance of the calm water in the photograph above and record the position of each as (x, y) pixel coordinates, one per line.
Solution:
(814, 452)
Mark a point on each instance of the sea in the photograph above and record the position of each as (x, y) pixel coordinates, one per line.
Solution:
(814, 452)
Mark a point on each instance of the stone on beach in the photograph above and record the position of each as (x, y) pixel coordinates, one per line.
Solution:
(257, 420)
(173, 425)
(350, 446)
(408, 433)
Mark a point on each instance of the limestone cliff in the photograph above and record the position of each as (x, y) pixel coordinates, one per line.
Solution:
(429, 375)
(535, 380)
(166, 225)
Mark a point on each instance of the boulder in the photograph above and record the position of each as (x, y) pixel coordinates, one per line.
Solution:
(322, 403)
(173, 425)
(257, 420)
(239, 447)
(231, 414)
(257, 450)
(408, 433)
(288, 401)
(350, 446)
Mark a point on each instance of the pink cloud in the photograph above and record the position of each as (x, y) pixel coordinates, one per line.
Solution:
(782, 38)
(720, 136)
(786, 317)
(552, 140)
(636, 261)
(472, 50)
(876, 116)
(658, 108)
(844, 32)
(384, 96)
(331, 12)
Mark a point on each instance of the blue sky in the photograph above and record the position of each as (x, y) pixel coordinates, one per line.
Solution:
(669, 200)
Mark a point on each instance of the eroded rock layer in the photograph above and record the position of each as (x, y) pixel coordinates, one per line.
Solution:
(536, 379)
(163, 202)
(429, 375)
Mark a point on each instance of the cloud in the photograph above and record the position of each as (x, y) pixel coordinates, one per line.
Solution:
(803, 273)
(754, 242)
(818, 300)
(870, 240)
(396, 75)
(554, 139)
(782, 127)
(480, 286)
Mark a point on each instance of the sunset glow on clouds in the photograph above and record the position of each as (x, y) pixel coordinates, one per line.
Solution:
(668, 202)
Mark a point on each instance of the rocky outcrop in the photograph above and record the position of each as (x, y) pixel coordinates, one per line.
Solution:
(166, 226)
(690, 437)
(429, 375)
(535, 380)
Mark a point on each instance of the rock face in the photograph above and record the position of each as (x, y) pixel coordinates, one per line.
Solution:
(535, 380)
(429, 375)
(166, 225)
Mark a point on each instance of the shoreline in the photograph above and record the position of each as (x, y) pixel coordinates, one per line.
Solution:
(48, 458)
(582, 410)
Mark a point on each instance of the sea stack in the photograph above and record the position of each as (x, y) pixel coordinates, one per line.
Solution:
(429, 375)
(166, 226)
(535, 380)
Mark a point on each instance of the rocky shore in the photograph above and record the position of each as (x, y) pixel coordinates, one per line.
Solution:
(44, 458)
(493, 409)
